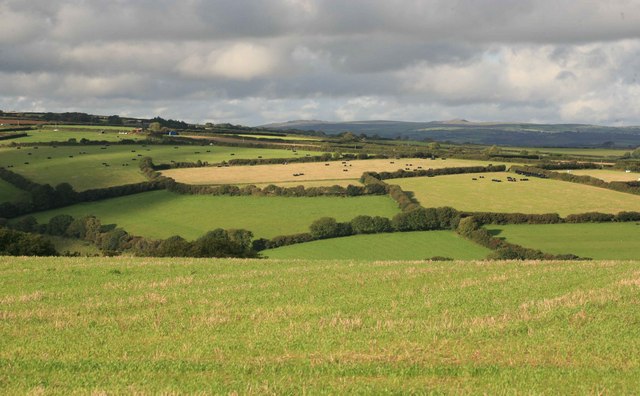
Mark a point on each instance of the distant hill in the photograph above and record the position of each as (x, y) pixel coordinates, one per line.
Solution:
(463, 131)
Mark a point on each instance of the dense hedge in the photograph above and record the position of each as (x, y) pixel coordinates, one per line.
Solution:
(420, 219)
(568, 165)
(437, 172)
(514, 218)
(17, 243)
(472, 229)
(113, 240)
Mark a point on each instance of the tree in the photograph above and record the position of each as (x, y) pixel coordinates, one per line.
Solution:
(636, 153)
(155, 127)
(58, 224)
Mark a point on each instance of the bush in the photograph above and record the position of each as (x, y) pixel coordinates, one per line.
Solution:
(328, 227)
(16, 243)
(590, 217)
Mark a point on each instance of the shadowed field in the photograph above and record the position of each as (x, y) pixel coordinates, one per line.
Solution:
(84, 166)
(10, 193)
(123, 325)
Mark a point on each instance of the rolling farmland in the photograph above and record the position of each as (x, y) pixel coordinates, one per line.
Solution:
(53, 165)
(161, 214)
(311, 171)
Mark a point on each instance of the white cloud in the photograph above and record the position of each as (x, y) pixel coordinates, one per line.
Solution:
(240, 61)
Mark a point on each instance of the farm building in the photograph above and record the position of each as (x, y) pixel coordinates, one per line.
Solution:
(172, 133)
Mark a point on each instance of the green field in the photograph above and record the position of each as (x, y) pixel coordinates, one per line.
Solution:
(151, 326)
(10, 193)
(63, 135)
(287, 137)
(89, 127)
(618, 241)
(160, 214)
(535, 196)
(395, 246)
(586, 152)
(85, 171)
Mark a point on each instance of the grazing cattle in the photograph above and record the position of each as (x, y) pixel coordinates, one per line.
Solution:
(473, 178)
(26, 163)
(392, 162)
(48, 157)
(28, 153)
(327, 164)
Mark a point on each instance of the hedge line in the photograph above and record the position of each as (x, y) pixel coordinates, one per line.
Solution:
(437, 172)
(472, 229)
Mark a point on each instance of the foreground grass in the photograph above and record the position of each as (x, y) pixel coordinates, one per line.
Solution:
(395, 246)
(119, 325)
(10, 193)
(534, 196)
(597, 240)
(161, 214)
(85, 169)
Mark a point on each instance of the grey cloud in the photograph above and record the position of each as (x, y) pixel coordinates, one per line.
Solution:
(254, 61)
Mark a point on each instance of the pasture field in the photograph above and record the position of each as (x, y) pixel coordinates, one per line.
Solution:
(586, 152)
(287, 137)
(312, 171)
(10, 193)
(206, 326)
(161, 214)
(85, 171)
(534, 196)
(90, 127)
(394, 246)
(618, 241)
(608, 175)
(63, 135)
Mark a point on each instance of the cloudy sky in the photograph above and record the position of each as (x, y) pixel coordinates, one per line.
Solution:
(259, 61)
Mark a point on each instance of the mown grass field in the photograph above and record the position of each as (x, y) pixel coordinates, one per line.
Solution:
(85, 171)
(394, 246)
(160, 214)
(311, 171)
(123, 325)
(10, 193)
(618, 241)
(534, 196)
(608, 175)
